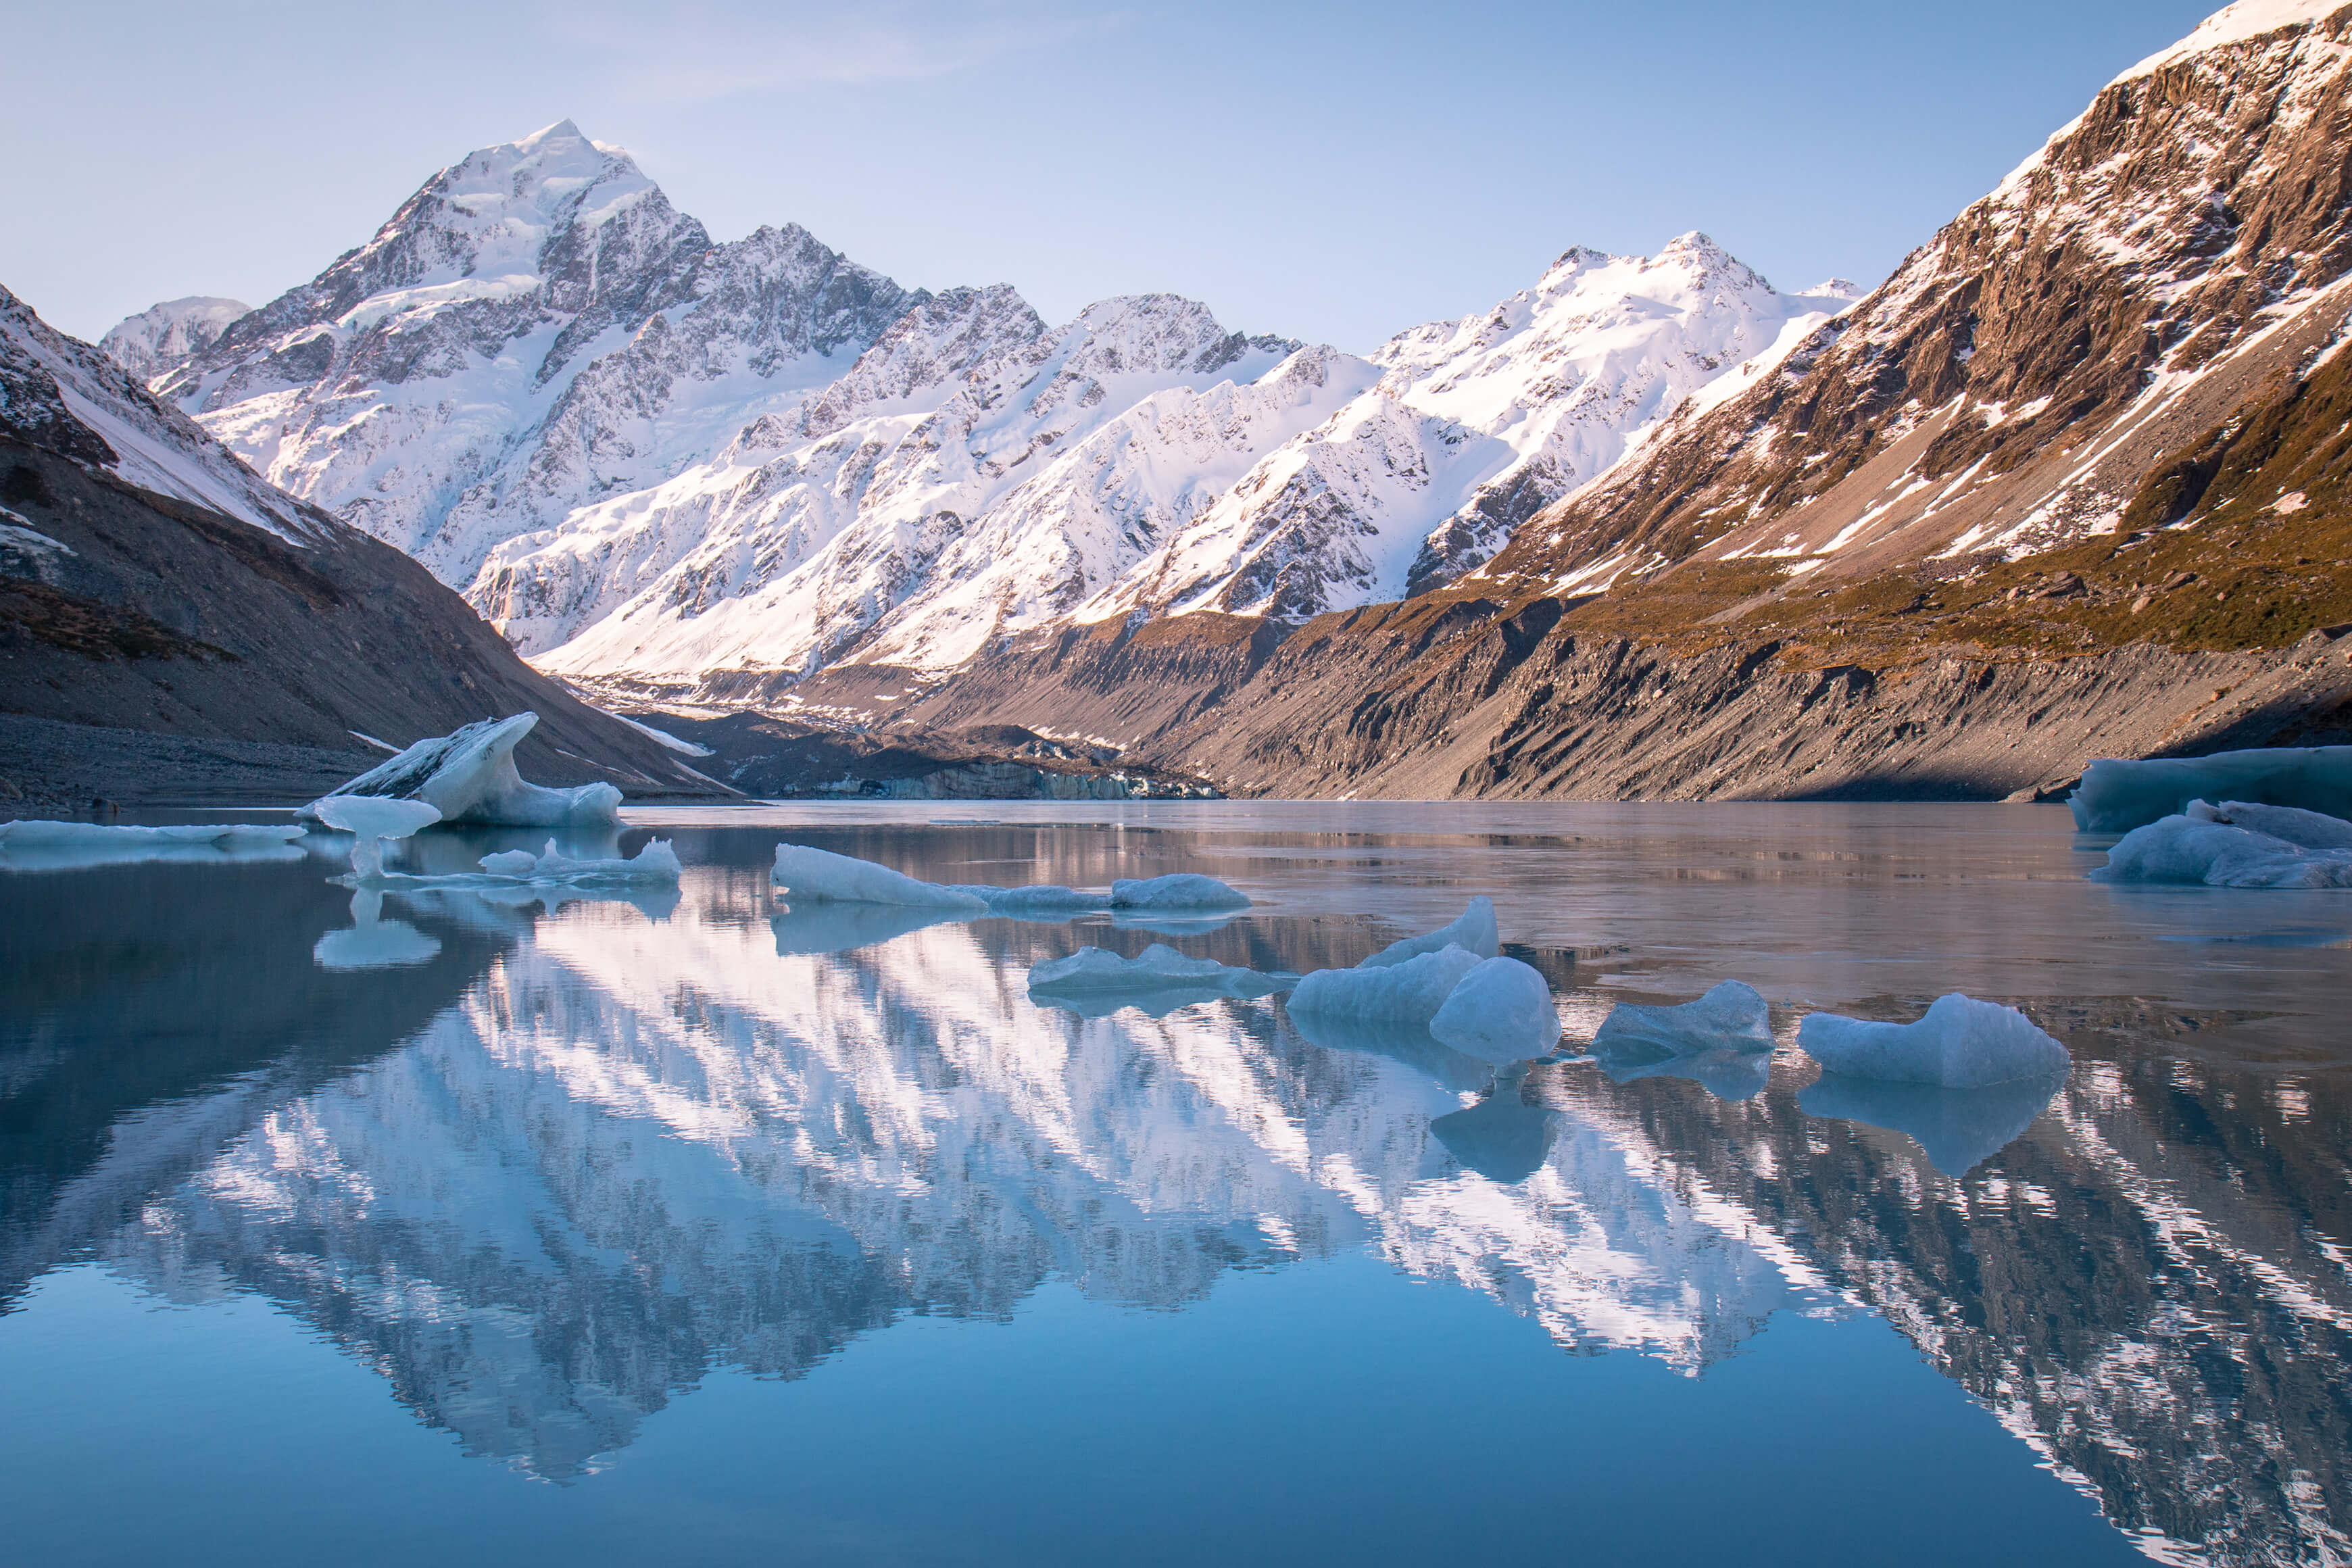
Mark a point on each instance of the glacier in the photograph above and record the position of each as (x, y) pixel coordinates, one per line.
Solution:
(2118, 795)
(468, 775)
(1960, 1042)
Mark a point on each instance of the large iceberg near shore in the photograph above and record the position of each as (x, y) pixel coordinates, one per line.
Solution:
(469, 775)
(1500, 1011)
(1961, 1043)
(808, 873)
(1407, 993)
(2116, 795)
(1473, 931)
(2235, 844)
(36, 846)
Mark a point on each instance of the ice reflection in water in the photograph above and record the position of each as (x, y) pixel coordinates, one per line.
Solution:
(550, 1176)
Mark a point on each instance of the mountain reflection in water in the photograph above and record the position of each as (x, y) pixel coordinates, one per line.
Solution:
(550, 1172)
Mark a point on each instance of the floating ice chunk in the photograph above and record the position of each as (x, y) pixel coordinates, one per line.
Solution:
(1957, 1129)
(469, 775)
(2304, 829)
(2116, 796)
(1730, 1017)
(1962, 1043)
(1473, 931)
(371, 941)
(1500, 1011)
(1182, 890)
(74, 846)
(656, 863)
(372, 820)
(807, 873)
(1047, 903)
(1093, 969)
(1502, 1137)
(1407, 993)
(2216, 853)
(509, 863)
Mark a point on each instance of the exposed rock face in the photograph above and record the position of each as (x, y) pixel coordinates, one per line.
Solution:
(150, 582)
(537, 326)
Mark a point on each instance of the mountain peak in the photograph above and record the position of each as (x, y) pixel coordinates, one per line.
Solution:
(2235, 25)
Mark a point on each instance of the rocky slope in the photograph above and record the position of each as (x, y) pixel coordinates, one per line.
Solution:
(2072, 482)
(536, 327)
(152, 584)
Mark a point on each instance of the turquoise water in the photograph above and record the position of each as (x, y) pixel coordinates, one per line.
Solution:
(702, 1229)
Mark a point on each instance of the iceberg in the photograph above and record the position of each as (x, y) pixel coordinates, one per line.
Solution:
(1730, 1017)
(1181, 891)
(373, 821)
(1407, 993)
(2116, 795)
(2235, 844)
(1474, 932)
(1499, 1011)
(1502, 1137)
(469, 775)
(1957, 1129)
(37, 846)
(1961, 1043)
(1093, 969)
(820, 875)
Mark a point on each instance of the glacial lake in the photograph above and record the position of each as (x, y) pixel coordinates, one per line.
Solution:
(703, 1229)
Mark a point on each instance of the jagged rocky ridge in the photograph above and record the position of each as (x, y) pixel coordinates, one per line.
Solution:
(151, 584)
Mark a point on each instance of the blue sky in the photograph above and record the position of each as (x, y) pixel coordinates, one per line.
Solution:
(1333, 173)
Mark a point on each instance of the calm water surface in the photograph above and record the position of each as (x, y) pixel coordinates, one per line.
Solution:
(702, 1229)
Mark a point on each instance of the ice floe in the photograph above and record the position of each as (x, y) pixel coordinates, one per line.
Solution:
(1957, 1129)
(468, 775)
(37, 846)
(2116, 795)
(1473, 931)
(808, 873)
(1094, 969)
(1499, 1011)
(1961, 1043)
(1180, 892)
(1407, 993)
(1731, 1017)
(2235, 844)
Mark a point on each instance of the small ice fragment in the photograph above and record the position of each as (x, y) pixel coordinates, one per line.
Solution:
(1732, 1016)
(1181, 891)
(510, 863)
(1407, 993)
(371, 820)
(2116, 795)
(2205, 850)
(1500, 1011)
(1093, 969)
(1957, 1128)
(1961, 1043)
(1473, 931)
(468, 775)
(807, 873)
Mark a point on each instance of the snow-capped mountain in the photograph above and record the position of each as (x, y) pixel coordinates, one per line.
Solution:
(535, 328)
(1476, 425)
(975, 476)
(163, 337)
